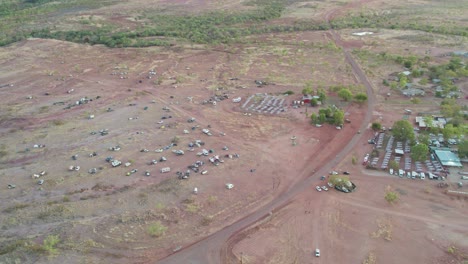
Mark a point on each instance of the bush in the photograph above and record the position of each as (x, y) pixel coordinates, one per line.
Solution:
(391, 197)
(156, 229)
(49, 244)
(289, 92)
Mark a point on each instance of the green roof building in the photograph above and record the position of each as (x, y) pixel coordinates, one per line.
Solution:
(447, 158)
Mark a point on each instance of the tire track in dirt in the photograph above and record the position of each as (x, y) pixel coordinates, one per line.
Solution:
(217, 248)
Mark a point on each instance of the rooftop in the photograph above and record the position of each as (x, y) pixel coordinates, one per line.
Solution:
(448, 158)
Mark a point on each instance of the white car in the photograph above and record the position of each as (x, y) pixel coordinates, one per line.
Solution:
(317, 252)
(325, 188)
(318, 188)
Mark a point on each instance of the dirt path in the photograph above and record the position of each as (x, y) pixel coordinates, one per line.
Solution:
(208, 250)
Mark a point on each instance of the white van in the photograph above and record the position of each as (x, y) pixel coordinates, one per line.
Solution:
(391, 171)
(422, 176)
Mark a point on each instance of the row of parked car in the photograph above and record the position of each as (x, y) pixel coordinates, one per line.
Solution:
(413, 174)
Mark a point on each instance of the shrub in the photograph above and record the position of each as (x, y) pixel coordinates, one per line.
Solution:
(49, 244)
(156, 229)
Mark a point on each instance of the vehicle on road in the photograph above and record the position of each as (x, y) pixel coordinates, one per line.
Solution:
(317, 252)
(318, 188)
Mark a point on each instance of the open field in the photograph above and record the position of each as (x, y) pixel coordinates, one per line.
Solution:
(66, 102)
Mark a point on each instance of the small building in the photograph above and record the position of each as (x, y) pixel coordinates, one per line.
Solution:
(307, 98)
(410, 92)
(437, 121)
(447, 158)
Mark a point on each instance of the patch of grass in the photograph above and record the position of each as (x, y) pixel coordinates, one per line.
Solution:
(66, 199)
(156, 229)
(58, 122)
(9, 247)
(49, 245)
(192, 208)
(370, 259)
(207, 220)
(212, 199)
(15, 207)
(160, 206)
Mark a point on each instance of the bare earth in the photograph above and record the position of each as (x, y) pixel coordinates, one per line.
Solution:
(104, 217)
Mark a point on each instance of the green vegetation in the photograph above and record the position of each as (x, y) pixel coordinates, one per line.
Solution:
(411, 18)
(339, 180)
(157, 229)
(49, 244)
(345, 94)
(394, 165)
(403, 130)
(391, 197)
(463, 149)
(159, 28)
(360, 98)
(419, 152)
(376, 126)
(331, 115)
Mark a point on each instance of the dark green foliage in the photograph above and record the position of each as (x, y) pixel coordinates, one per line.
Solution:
(419, 152)
(403, 130)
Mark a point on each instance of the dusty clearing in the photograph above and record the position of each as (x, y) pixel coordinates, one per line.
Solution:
(61, 99)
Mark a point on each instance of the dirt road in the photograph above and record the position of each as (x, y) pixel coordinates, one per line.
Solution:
(213, 248)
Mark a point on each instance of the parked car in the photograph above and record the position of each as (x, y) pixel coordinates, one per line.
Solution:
(317, 252)
(346, 172)
(325, 188)
(318, 188)
(322, 178)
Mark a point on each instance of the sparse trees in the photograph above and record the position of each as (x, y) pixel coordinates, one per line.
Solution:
(419, 152)
(403, 130)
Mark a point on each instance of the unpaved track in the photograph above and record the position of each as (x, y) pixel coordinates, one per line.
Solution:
(213, 249)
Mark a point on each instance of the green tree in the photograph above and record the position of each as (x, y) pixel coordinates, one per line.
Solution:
(391, 197)
(322, 95)
(449, 131)
(403, 130)
(307, 88)
(463, 149)
(403, 81)
(322, 118)
(314, 118)
(360, 97)
(450, 108)
(419, 152)
(376, 126)
(394, 165)
(424, 139)
(314, 102)
(338, 117)
(345, 94)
